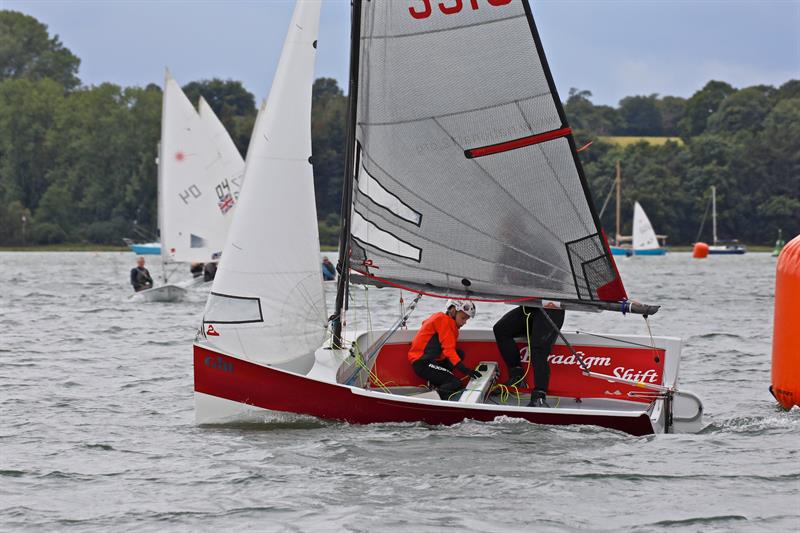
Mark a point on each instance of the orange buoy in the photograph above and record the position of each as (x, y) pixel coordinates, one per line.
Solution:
(700, 250)
(786, 331)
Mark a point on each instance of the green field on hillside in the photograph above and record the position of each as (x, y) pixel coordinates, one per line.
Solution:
(655, 141)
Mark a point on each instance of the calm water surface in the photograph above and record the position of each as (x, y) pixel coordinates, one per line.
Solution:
(97, 432)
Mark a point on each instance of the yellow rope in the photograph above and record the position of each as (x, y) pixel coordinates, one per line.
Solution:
(370, 374)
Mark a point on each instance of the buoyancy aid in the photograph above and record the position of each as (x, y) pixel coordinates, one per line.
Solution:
(436, 340)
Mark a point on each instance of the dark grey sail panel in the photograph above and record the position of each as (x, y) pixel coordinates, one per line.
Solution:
(432, 89)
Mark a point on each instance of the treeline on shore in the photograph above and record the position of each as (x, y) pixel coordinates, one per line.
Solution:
(78, 163)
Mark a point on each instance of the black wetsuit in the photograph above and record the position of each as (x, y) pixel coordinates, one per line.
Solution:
(512, 325)
(140, 279)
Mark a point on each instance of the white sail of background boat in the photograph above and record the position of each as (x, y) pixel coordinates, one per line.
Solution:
(644, 240)
(644, 237)
(199, 175)
(461, 180)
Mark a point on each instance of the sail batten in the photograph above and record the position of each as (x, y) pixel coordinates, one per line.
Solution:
(467, 176)
(522, 142)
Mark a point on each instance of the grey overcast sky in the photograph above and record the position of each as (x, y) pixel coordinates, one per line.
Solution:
(614, 48)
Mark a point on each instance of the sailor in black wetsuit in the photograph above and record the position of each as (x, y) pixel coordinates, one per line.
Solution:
(209, 271)
(196, 269)
(529, 322)
(140, 277)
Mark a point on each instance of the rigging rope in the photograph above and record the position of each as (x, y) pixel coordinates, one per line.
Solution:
(608, 197)
(705, 214)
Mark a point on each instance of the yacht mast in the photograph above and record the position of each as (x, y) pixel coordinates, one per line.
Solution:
(349, 173)
(714, 211)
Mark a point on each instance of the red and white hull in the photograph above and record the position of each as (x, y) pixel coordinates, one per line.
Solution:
(229, 388)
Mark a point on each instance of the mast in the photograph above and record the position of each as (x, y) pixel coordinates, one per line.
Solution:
(619, 183)
(349, 171)
(714, 211)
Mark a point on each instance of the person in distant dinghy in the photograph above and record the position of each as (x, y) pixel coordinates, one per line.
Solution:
(529, 322)
(140, 276)
(209, 271)
(433, 354)
(328, 270)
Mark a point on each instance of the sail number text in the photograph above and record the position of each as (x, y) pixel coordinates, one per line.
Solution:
(424, 9)
(192, 192)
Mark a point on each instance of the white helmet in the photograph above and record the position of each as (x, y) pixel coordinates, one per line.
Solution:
(465, 306)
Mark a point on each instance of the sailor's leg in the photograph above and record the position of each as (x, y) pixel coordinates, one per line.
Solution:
(441, 378)
(542, 337)
(509, 326)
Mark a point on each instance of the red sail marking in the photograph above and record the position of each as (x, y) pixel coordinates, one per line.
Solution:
(211, 331)
(517, 143)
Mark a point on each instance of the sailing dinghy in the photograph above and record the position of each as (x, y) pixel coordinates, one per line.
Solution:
(462, 181)
(719, 247)
(645, 241)
(200, 173)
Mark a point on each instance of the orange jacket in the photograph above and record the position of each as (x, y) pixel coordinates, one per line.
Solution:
(436, 339)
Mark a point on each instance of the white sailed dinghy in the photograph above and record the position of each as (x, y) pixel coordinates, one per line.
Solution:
(200, 173)
(645, 241)
(453, 189)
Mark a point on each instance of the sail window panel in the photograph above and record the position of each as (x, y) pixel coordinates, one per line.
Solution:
(370, 234)
(375, 191)
(591, 266)
(443, 73)
(227, 309)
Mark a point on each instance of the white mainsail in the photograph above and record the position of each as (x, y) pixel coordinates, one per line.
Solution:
(267, 303)
(193, 217)
(644, 238)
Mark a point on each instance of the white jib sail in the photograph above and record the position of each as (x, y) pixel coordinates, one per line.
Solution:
(644, 238)
(194, 218)
(267, 303)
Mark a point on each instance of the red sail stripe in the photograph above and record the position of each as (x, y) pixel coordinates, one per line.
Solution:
(517, 143)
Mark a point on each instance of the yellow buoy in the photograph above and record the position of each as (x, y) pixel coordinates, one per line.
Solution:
(786, 332)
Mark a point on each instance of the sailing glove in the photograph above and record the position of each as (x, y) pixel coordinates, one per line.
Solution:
(460, 353)
(474, 374)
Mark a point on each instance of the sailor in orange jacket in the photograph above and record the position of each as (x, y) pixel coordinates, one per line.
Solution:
(433, 353)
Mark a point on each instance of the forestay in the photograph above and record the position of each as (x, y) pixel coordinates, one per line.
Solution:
(467, 181)
(196, 171)
(644, 238)
(267, 303)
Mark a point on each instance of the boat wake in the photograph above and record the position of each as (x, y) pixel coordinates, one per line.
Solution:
(779, 420)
